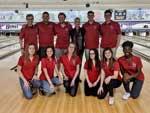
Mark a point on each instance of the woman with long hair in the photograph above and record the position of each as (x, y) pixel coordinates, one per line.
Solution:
(69, 66)
(92, 69)
(27, 70)
(110, 77)
(47, 80)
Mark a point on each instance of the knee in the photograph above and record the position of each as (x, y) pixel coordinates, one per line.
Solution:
(72, 94)
(100, 96)
(134, 96)
(27, 96)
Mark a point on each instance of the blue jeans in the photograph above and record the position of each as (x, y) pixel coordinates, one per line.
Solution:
(44, 85)
(28, 91)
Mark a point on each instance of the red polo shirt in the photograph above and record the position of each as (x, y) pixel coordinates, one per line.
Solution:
(63, 35)
(132, 66)
(93, 74)
(70, 66)
(28, 67)
(46, 34)
(110, 71)
(49, 65)
(29, 34)
(92, 33)
(109, 33)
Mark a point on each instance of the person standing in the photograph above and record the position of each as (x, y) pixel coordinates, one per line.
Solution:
(77, 37)
(110, 34)
(92, 33)
(63, 30)
(46, 34)
(28, 34)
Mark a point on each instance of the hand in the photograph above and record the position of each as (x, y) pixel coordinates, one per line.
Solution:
(107, 80)
(26, 84)
(100, 91)
(72, 83)
(90, 84)
(61, 80)
(65, 78)
(126, 77)
(94, 84)
(51, 86)
(35, 77)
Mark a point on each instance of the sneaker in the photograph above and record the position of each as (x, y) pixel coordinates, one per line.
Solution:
(126, 96)
(111, 100)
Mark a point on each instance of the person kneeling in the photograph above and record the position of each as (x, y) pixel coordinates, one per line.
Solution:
(69, 66)
(110, 77)
(47, 80)
(92, 70)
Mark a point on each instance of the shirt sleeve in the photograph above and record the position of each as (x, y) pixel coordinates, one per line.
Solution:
(61, 59)
(21, 61)
(139, 63)
(118, 29)
(78, 61)
(116, 66)
(22, 32)
(43, 63)
(86, 65)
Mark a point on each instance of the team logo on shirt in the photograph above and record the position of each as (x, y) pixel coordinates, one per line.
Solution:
(133, 65)
(50, 26)
(95, 27)
(111, 27)
(66, 29)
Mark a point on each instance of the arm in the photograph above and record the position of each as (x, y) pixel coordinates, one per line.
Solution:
(118, 41)
(115, 76)
(75, 76)
(26, 83)
(47, 77)
(77, 72)
(58, 73)
(98, 79)
(136, 74)
(100, 90)
(119, 35)
(87, 78)
(20, 73)
(102, 77)
(62, 71)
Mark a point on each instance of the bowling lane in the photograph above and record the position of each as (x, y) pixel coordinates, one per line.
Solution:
(141, 46)
(5, 39)
(9, 49)
(8, 43)
(10, 61)
(142, 49)
(138, 41)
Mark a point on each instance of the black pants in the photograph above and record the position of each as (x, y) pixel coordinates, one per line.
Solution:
(90, 91)
(42, 52)
(71, 90)
(114, 83)
(80, 54)
(136, 87)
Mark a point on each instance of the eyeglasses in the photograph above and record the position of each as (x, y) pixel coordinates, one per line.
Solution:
(92, 53)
